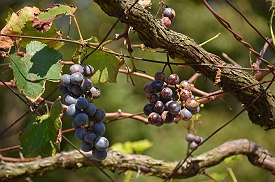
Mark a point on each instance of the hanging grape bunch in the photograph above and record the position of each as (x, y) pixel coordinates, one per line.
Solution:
(77, 90)
(166, 107)
(168, 15)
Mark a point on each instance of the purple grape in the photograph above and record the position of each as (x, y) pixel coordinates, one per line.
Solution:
(90, 109)
(101, 143)
(72, 111)
(81, 119)
(190, 137)
(76, 90)
(185, 114)
(159, 107)
(85, 146)
(90, 137)
(65, 80)
(99, 155)
(75, 125)
(160, 76)
(76, 78)
(76, 68)
(197, 139)
(88, 70)
(86, 85)
(193, 145)
(174, 107)
(152, 97)
(79, 133)
(166, 93)
(69, 99)
(173, 79)
(64, 90)
(167, 117)
(156, 86)
(147, 88)
(169, 12)
(98, 128)
(154, 119)
(148, 109)
(81, 103)
(99, 115)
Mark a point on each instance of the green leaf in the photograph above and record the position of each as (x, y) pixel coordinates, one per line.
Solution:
(141, 145)
(42, 135)
(234, 158)
(131, 147)
(39, 64)
(57, 10)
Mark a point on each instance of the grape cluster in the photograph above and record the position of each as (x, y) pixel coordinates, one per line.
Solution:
(193, 140)
(77, 88)
(168, 15)
(166, 107)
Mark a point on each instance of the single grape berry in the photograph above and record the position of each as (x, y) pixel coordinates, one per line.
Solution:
(169, 12)
(185, 94)
(193, 145)
(85, 146)
(148, 109)
(152, 97)
(72, 111)
(79, 133)
(99, 155)
(76, 68)
(166, 93)
(98, 128)
(98, 116)
(81, 119)
(90, 137)
(174, 107)
(190, 137)
(101, 143)
(81, 103)
(167, 117)
(94, 93)
(90, 109)
(69, 99)
(75, 125)
(185, 114)
(173, 79)
(159, 107)
(76, 90)
(156, 86)
(197, 139)
(160, 76)
(88, 70)
(76, 78)
(191, 104)
(154, 119)
(86, 85)
(147, 88)
(64, 90)
(165, 21)
(65, 80)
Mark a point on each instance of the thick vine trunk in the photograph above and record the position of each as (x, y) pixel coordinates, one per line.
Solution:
(117, 161)
(180, 46)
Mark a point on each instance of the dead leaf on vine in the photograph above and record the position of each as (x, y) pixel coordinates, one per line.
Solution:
(145, 3)
(218, 77)
(42, 25)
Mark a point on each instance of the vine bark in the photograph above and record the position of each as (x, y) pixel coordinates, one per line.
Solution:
(155, 35)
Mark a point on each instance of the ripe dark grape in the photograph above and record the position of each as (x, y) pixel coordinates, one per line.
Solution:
(75, 125)
(90, 137)
(152, 97)
(88, 70)
(193, 145)
(101, 143)
(99, 115)
(159, 107)
(167, 117)
(160, 76)
(173, 79)
(65, 80)
(165, 21)
(94, 93)
(166, 93)
(169, 12)
(99, 155)
(76, 78)
(98, 128)
(76, 90)
(90, 109)
(76, 68)
(156, 86)
(79, 133)
(147, 88)
(154, 118)
(148, 109)
(174, 107)
(86, 85)
(185, 114)
(81, 103)
(190, 137)
(72, 111)
(69, 99)
(198, 139)
(85, 146)
(81, 119)
(63, 89)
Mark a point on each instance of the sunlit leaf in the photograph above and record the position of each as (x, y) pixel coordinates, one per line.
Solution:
(39, 64)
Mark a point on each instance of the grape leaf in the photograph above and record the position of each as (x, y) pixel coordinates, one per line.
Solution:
(106, 65)
(42, 135)
(57, 10)
(39, 64)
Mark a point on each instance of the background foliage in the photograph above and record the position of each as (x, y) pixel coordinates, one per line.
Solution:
(192, 19)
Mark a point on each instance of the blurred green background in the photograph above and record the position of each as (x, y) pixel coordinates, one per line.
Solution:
(194, 20)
